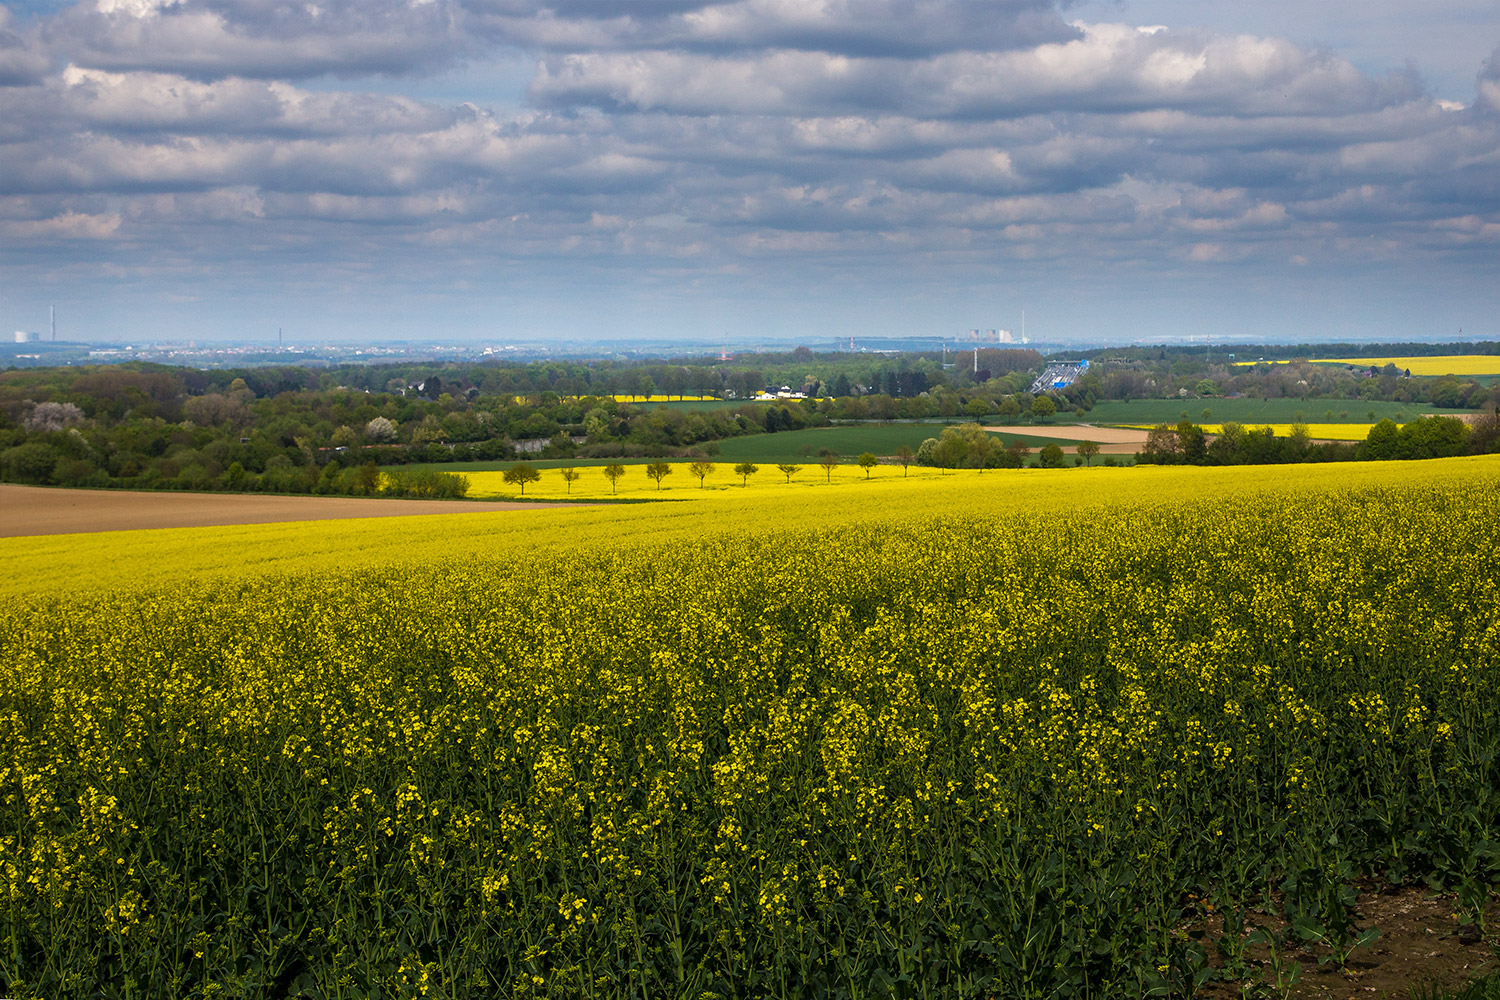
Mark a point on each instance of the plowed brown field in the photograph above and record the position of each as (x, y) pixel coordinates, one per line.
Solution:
(39, 510)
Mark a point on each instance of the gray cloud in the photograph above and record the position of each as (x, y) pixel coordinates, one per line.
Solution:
(22, 59)
(207, 39)
(1488, 83)
(123, 103)
(864, 28)
(1110, 68)
(706, 139)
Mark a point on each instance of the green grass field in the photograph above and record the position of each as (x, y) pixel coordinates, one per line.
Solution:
(1254, 411)
(801, 446)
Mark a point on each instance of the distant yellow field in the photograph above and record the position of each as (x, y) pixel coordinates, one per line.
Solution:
(1451, 364)
(1443, 364)
(997, 500)
(1318, 432)
(681, 484)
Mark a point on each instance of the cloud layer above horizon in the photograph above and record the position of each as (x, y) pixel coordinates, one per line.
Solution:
(721, 152)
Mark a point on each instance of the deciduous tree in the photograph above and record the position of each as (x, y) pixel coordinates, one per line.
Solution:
(520, 474)
(745, 470)
(380, 430)
(1194, 446)
(658, 470)
(868, 461)
(701, 469)
(1016, 454)
(613, 471)
(570, 476)
(789, 471)
(1161, 448)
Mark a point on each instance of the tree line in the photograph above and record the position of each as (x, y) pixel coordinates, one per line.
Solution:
(1429, 437)
(282, 430)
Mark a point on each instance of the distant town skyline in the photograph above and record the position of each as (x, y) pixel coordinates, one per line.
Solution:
(365, 170)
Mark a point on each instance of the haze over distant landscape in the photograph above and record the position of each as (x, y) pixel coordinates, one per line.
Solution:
(472, 169)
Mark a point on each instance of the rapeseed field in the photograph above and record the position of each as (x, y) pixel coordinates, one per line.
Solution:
(1009, 734)
(1442, 364)
(682, 483)
(44, 566)
(1315, 432)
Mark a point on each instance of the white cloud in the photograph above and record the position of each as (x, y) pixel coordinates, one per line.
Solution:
(1111, 67)
(140, 101)
(711, 137)
(217, 38)
(1207, 252)
(134, 8)
(66, 226)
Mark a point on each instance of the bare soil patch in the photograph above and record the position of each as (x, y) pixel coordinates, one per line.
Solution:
(1422, 945)
(40, 510)
(1078, 432)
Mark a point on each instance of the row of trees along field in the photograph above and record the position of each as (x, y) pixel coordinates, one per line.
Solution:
(1431, 437)
(967, 446)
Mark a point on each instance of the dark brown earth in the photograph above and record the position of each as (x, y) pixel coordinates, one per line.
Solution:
(40, 510)
(1422, 946)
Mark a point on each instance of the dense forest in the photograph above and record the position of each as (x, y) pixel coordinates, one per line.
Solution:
(330, 430)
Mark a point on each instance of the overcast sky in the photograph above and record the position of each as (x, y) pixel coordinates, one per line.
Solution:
(501, 170)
